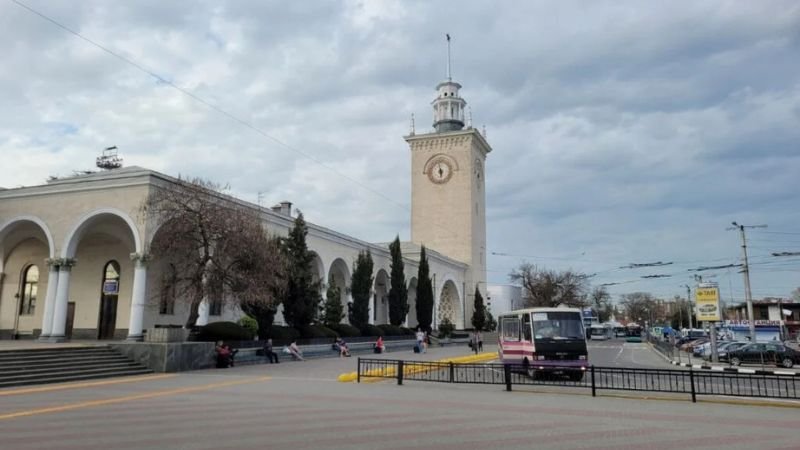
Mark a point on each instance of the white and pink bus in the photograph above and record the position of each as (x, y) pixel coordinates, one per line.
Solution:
(549, 340)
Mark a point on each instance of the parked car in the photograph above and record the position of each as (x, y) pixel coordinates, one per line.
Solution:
(689, 346)
(758, 353)
(730, 347)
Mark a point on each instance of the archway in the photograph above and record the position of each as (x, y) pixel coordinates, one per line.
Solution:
(380, 299)
(99, 238)
(411, 318)
(450, 305)
(339, 274)
(27, 284)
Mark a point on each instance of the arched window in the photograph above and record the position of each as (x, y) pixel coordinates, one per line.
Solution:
(111, 278)
(30, 286)
(168, 286)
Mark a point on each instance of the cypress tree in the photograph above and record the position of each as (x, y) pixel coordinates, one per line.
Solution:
(360, 287)
(398, 293)
(301, 305)
(334, 311)
(424, 293)
(479, 314)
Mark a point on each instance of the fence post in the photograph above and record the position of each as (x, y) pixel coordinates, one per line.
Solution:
(358, 371)
(452, 373)
(507, 375)
(400, 372)
(594, 388)
(691, 380)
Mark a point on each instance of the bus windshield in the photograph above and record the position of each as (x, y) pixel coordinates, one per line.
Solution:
(557, 325)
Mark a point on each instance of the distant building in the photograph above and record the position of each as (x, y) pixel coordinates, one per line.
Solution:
(771, 309)
(502, 298)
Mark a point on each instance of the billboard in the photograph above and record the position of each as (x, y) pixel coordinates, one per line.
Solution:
(707, 299)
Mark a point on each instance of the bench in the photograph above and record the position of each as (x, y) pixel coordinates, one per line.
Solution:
(255, 355)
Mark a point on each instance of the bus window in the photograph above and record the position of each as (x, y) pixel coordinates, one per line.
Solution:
(510, 329)
(526, 327)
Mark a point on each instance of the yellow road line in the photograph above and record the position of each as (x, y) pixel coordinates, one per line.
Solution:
(59, 387)
(109, 401)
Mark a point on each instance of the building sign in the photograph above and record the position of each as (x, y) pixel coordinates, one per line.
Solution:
(758, 323)
(707, 299)
(111, 287)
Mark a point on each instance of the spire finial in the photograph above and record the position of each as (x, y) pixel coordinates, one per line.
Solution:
(449, 77)
(469, 118)
(413, 126)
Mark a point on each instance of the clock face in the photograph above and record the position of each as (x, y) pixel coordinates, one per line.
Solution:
(440, 171)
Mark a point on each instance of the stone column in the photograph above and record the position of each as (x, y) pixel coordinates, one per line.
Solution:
(138, 299)
(50, 299)
(57, 332)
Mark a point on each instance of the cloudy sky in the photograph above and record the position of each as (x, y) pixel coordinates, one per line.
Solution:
(623, 132)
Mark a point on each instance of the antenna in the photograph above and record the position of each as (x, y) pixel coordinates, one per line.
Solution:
(109, 159)
(260, 197)
(449, 77)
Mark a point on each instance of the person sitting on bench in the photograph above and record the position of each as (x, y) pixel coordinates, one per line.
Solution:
(341, 345)
(379, 347)
(295, 351)
(225, 356)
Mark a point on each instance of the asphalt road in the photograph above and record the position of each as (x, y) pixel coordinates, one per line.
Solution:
(618, 353)
(298, 405)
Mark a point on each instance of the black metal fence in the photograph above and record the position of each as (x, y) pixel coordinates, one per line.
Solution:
(596, 378)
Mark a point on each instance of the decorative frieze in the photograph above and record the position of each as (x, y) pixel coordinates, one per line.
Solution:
(65, 263)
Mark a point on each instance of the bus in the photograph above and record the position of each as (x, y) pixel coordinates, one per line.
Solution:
(601, 332)
(547, 340)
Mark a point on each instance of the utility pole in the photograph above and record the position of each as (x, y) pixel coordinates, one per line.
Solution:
(689, 300)
(746, 272)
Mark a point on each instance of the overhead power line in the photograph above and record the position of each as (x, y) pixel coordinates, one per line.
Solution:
(637, 266)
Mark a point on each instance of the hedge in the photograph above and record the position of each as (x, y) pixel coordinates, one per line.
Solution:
(371, 330)
(345, 330)
(283, 334)
(317, 331)
(224, 331)
(408, 331)
(390, 330)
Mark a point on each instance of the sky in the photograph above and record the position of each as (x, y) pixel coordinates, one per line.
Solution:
(622, 132)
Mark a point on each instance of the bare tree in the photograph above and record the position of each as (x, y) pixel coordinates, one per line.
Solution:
(601, 302)
(215, 245)
(639, 306)
(550, 288)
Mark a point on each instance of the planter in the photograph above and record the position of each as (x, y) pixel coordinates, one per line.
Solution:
(166, 335)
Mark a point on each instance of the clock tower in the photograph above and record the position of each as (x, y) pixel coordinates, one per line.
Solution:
(448, 199)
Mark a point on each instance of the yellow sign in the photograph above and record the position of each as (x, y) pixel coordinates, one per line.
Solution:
(708, 304)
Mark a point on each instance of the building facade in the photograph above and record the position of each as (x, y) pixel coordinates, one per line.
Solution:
(74, 259)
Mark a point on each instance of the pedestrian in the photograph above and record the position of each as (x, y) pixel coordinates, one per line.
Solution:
(420, 340)
(379, 347)
(473, 342)
(341, 345)
(479, 338)
(295, 351)
(269, 352)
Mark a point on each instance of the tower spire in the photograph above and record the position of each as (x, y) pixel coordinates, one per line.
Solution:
(449, 75)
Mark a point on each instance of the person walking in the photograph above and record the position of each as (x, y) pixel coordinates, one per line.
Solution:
(479, 338)
(420, 340)
(473, 342)
(269, 352)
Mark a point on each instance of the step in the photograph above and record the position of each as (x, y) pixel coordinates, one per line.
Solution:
(68, 373)
(47, 356)
(59, 362)
(77, 377)
(5, 373)
(52, 349)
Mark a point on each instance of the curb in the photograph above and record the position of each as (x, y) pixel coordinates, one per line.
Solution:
(413, 367)
(736, 369)
(726, 369)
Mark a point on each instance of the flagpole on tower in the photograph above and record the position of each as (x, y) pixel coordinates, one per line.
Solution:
(449, 77)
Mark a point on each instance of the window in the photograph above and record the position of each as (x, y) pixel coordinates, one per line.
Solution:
(111, 278)
(168, 286)
(526, 327)
(30, 285)
(763, 314)
(215, 299)
(511, 329)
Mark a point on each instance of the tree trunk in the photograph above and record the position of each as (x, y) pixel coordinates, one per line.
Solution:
(194, 313)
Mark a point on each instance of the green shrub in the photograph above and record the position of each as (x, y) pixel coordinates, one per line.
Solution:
(224, 331)
(371, 330)
(390, 330)
(317, 331)
(283, 334)
(446, 328)
(345, 330)
(249, 324)
(408, 331)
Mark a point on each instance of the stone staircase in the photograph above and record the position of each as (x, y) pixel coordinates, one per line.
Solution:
(22, 367)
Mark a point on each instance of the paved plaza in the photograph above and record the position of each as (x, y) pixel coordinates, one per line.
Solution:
(299, 405)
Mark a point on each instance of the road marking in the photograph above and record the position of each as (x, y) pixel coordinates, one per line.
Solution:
(59, 387)
(110, 401)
